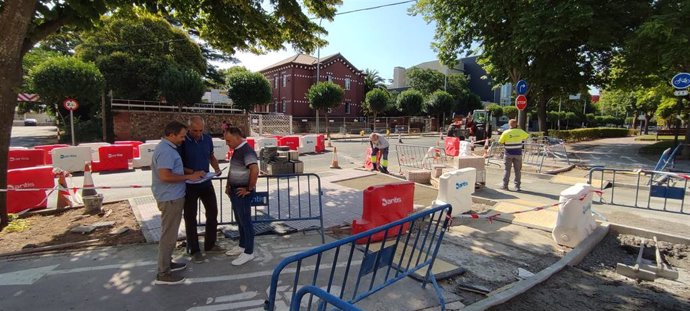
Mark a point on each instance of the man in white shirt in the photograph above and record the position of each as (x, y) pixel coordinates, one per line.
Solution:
(378, 142)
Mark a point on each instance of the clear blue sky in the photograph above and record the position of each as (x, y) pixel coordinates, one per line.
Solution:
(378, 39)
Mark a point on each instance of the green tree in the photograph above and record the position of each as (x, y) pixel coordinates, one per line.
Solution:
(248, 89)
(255, 28)
(514, 45)
(324, 96)
(411, 102)
(181, 87)
(134, 48)
(372, 80)
(377, 101)
(439, 103)
(425, 80)
(495, 110)
(510, 111)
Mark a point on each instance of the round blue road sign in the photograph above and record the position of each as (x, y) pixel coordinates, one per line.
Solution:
(521, 87)
(681, 80)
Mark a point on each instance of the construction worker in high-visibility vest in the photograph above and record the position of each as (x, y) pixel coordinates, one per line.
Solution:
(378, 142)
(512, 139)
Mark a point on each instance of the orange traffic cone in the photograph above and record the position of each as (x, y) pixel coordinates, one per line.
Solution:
(64, 199)
(88, 181)
(329, 145)
(334, 161)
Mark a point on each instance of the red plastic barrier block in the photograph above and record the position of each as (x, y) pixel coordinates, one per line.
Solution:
(49, 151)
(320, 143)
(134, 143)
(452, 146)
(113, 158)
(21, 158)
(384, 204)
(31, 177)
(251, 142)
(289, 141)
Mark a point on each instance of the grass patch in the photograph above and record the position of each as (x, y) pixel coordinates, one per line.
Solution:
(661, 138)
(657, 148)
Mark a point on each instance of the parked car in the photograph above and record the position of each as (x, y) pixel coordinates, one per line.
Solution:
(503, 128)
(30, 122)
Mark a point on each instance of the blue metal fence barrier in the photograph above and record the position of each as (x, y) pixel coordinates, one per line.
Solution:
(325, 297)
(294, 200)
(333, 266)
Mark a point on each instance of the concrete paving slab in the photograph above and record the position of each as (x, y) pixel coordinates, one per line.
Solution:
(543, 219)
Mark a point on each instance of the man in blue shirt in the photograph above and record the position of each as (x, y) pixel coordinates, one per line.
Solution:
(168, 187)
(197, 154)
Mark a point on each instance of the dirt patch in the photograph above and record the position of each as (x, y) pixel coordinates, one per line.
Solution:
(595, 285)
(53, 229)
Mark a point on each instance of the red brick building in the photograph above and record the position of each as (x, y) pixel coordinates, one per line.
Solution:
(291, 79)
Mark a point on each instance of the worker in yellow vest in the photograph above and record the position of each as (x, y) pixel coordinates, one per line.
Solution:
(512, 139)
(379, 143)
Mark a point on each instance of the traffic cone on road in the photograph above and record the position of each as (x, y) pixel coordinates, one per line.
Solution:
(88, 181)
(334, 161)
(64, 199)
(329, 145)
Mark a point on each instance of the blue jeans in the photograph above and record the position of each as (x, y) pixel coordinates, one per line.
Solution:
(241, 208)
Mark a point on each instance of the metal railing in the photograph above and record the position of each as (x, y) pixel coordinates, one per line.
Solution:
(415, 246)
(652, 189)
(419, 157)
(131, 104)
(284, 199)
(325, 298)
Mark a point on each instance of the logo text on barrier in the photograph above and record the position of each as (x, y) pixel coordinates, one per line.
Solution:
(386, 202)
(460, 185)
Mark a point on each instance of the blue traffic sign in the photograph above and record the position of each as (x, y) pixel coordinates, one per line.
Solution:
(521, 87)
(681, 80)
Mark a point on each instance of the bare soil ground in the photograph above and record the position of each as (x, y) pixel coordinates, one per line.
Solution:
(41, 230)
(595, 285)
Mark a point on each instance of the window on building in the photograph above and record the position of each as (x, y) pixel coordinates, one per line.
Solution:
(347, 84)
(275, 83)
(275, 106)
(285, 80)
(330, 78)
(347, 107)
(284, 106)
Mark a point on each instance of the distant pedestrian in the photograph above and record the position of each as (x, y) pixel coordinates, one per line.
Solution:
(241, 188)
(512, 139)
(378, 142)
(197, 154)
(168, 187)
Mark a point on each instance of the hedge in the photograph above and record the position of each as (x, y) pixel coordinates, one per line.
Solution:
(591, 133)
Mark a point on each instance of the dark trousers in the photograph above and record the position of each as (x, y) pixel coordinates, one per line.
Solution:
(207, 194)
(241, 208)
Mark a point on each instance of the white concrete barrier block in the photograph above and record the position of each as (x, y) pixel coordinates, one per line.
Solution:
(575, 221)
(307, 144)
(220, 149)
(94, 149)
(71, 159)
(265, 142)
(456, 188)
(145, 155)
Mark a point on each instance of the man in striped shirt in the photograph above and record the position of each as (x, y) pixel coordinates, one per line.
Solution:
(512, 139)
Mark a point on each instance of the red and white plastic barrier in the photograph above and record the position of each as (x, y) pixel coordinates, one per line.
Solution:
(384, 204)
(22, 158)
(33, 183)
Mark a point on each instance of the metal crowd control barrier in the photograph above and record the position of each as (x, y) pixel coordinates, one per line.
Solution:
(333, 266)
(534, 154)
(291, 199)
(325, 297)
(419, 157)
(652, 194)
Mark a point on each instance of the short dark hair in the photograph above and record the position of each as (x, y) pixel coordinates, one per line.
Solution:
(174, 128)
(234, 130)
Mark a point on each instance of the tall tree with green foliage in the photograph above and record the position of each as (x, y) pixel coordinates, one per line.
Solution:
(377, 101)
(248, 89)
(254, 27)
(181, 87)
(558, 47)
(411, 102)
(324, 96)
(372, 80)
(438, 104)
(495, 111)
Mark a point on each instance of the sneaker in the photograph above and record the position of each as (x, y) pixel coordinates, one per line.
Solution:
(242, 259)
(235, 251)
(517, 189)
(168, 279)
(177, 266)
(216, 249)
(198, 257)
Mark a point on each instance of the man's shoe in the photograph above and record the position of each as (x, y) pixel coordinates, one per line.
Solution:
(384, 170)
(177, 266)
(235, 251)
(504, 188)
(168, 279)
(517, 189)
(216, 249)
(198, 257)
(242, 259)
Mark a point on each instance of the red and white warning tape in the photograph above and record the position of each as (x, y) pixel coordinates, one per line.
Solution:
(10, 188)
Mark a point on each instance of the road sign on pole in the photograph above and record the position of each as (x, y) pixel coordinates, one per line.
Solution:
(681, 80)
(521, 102)
(71, 105)
(521, 87)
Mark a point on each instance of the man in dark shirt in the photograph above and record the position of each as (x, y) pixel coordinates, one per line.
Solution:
(197, 154)
(241, 188)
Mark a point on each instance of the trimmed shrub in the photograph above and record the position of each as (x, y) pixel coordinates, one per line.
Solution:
(591, 133)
